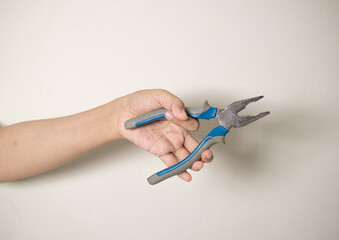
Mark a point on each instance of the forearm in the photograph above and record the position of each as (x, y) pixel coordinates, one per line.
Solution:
(33, 147)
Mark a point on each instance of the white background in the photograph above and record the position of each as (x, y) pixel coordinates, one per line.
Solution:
(275, 179)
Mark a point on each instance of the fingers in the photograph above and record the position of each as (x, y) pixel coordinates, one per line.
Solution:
(171, 103)
(207, 156)
(182, 153)
(190, 124)
(176, 110)
(185, 176)
(170, 160)
(190, 144)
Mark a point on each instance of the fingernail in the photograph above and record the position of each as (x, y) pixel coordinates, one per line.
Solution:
(209, 156)
(169, 115)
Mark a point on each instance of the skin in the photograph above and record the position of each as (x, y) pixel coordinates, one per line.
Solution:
(33, 147)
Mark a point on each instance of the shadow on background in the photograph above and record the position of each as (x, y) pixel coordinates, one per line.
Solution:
(248, 150)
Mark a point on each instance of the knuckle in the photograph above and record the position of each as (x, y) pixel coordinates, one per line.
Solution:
(179, 102)
(161, 91)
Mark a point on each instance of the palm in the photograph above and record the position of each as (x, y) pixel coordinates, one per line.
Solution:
(159, 138)
(166, 140)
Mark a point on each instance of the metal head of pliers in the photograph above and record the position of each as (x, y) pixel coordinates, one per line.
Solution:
(229, 118)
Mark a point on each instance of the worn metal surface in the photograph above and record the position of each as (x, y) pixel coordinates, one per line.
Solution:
(229, 118)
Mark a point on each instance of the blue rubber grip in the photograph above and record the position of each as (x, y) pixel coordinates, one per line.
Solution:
(149, 120)
(208, 114)
(218, 131)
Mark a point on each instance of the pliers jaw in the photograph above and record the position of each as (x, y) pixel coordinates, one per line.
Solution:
(228, 117)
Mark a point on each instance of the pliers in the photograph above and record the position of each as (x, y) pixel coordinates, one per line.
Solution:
(227, 117)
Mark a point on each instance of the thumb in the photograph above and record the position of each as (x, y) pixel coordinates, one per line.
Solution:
(170, 102)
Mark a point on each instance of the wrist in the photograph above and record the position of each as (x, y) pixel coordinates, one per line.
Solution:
(116, 108)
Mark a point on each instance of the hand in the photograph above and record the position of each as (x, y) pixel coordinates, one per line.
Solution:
(169, 140)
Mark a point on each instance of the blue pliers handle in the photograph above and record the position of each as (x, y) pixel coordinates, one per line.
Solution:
(217, 135)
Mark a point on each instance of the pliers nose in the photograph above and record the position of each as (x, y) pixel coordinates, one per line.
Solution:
(245, 120)
(240, 105)
(229, 118)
